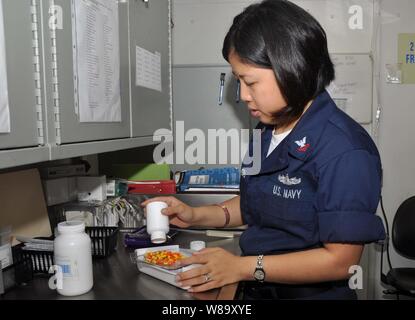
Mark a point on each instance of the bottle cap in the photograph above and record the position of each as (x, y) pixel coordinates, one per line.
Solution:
(71, 227)
(197, 245)
(158, 237)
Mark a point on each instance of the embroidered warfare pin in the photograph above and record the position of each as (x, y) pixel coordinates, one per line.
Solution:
(285, 179)
(303, 145)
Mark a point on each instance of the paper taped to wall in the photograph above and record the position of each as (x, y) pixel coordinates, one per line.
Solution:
(4, 99)
(97, 60)
(148, 69)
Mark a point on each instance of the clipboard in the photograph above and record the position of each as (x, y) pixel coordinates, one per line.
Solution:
(22, 204)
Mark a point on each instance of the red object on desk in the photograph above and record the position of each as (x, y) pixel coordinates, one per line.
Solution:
(152, 187)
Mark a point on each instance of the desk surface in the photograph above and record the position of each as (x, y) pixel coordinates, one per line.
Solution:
(117, 278)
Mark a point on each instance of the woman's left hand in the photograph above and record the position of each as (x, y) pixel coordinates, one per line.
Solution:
(218, 268)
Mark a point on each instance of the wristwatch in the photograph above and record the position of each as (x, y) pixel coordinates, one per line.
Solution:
(259, 273)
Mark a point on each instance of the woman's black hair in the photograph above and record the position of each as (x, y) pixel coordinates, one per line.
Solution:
(279, 35)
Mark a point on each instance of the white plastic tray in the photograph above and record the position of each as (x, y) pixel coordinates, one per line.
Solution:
(161, 273)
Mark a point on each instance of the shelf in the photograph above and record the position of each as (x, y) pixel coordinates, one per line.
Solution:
(17, 157)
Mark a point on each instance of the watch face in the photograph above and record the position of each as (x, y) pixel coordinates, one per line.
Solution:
(259, 274)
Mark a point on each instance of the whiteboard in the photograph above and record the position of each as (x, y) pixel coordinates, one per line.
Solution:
(352, 88)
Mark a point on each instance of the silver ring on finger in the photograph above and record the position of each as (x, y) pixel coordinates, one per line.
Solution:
(207, 277)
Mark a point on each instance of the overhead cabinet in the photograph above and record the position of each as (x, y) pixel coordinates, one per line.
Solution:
(86, 70)
(201, 25)
(150, 51)
(22, 123)
(23, 81)
(77, 77)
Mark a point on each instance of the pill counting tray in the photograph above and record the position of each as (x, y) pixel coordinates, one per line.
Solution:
(166, 274)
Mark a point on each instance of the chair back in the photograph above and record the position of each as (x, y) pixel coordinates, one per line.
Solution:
(403, 229)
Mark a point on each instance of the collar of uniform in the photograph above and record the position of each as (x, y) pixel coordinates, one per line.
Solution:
(277, 160)
(266, 133)
(310, 127)
(266, 136)
(306, 134)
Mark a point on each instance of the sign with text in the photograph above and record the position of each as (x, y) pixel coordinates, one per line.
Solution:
(406, 54)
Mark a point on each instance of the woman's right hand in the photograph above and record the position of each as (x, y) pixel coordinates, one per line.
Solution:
(179, 213)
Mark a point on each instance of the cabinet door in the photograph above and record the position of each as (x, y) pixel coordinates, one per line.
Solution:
(353, 86)
(196, 103)
(202, 25)
(60, 37)
(348, 23)
(150, 36)
(22, 66)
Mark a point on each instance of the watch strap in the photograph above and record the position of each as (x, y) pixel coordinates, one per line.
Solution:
(259, 261)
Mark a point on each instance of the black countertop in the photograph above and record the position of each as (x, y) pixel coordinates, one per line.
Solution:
(117, 277)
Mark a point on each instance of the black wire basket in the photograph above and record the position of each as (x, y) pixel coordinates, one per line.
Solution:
(103, 244)
(104, 240)
(19, 273)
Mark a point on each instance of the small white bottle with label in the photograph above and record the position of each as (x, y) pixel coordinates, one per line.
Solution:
(73, 255)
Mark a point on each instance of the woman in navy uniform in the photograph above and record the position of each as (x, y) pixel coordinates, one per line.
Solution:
(311, 207)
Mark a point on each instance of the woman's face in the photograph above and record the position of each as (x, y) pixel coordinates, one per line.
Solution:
(259, 89)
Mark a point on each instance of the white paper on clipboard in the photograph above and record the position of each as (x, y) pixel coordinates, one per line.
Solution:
(4, 97)
(148, 69)
(97, 61)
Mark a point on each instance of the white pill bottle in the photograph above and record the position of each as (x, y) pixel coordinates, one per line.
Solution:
(157, 223)
(73, 255)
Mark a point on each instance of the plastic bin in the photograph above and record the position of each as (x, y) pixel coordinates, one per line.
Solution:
(103, 241)
(41, 260)
(20, 272)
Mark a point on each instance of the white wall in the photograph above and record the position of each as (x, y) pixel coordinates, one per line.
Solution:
(397, 130)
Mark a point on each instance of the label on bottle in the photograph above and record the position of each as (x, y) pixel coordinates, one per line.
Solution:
(69, 267)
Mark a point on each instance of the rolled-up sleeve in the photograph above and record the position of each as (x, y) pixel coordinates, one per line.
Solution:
(347, 199)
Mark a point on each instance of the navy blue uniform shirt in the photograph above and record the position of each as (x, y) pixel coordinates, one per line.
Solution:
(320, 185)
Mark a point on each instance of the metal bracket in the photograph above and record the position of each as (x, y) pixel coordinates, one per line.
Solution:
(36, 74)
(55, 81)
(170, 70)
